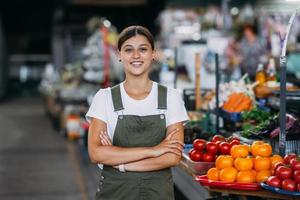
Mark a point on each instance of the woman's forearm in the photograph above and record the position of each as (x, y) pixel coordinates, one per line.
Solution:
(109, 154)
(152, 164)
(105, 153)
(114, 155)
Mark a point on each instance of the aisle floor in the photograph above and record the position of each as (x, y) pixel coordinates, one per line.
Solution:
(36, 162)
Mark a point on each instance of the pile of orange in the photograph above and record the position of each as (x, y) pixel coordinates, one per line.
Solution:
(241, 167)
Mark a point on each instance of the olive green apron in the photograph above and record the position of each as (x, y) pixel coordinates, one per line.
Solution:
(137, 131)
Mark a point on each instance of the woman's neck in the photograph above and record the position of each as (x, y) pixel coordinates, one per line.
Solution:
(252, 39)
(138, 89)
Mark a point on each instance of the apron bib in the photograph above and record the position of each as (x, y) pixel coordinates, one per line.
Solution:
(137, 131)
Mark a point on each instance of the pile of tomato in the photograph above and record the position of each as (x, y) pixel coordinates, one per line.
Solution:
(245, 164)
(286, 173)
(207, 151)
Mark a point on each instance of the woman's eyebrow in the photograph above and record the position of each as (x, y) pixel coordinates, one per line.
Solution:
(141, 45)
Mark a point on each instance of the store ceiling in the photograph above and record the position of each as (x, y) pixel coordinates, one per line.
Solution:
(28, 25)
(109, 2)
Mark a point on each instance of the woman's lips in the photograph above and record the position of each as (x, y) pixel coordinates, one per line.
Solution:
(136, 63)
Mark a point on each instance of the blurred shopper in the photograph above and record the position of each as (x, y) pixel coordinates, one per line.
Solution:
(136, 127)
(252, 51)
(233, 59)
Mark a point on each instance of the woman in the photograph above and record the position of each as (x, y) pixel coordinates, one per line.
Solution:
(252, 51)
(136, 127)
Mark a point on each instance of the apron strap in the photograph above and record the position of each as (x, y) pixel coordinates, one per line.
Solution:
(162, 97)
(116, 98)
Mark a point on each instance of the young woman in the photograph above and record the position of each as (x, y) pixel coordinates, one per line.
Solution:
(136, 127)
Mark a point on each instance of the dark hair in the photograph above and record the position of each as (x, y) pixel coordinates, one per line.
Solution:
(251, 28)
(133, 31)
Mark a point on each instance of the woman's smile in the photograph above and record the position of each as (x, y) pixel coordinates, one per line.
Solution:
(136, 63)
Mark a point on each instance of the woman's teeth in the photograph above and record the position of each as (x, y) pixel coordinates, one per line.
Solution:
(137, 63)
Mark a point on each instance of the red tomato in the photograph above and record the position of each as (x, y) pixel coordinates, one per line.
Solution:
(199, 144)
(289, 184)
(212, 148)
(274, 181)
(278, 164)
(231, 138)
(234, 142)
(287, 158)
(284, 172)
(296, 176)
(218, 138)
(298, 187)
(224, 148)
(208, 157)
(195, 155)
(295, 163)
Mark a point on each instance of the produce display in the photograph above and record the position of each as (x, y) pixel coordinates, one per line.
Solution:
(286, 174)
(235, 96)
(207, 151)
(267, 125)
(245, 164)
(238, 102)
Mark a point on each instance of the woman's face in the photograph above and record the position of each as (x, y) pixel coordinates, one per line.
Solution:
(136, 54)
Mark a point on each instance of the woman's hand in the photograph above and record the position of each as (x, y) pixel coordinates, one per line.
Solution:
(169, 145)
(104, 138)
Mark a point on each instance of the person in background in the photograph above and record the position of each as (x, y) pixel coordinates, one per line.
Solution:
(136, 127)
(252, 51)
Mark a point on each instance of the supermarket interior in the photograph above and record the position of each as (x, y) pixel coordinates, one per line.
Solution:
(235, 65)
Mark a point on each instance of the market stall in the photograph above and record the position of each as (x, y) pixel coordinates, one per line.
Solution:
(67, 90)
(261, 156)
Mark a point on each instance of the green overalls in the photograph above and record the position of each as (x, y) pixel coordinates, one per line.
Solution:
(137, 131)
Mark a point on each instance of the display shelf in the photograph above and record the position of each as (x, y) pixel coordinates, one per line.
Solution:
(292, 102)
(184, 179)
(204, 181)
(261, 194)
(280, 191)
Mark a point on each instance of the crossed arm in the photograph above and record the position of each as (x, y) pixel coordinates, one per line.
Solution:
(164, 155)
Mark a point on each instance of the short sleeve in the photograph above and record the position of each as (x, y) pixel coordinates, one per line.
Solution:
(98, 108)
(176, 111)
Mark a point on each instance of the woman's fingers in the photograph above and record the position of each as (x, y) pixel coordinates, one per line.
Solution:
(175, 151)
(104, 138)
(177, 147)
(170, 135)
(176, 142)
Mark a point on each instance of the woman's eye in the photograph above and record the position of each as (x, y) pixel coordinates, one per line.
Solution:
(143, 49)
(128, 50)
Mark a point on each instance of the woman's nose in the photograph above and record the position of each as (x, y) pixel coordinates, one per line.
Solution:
(136, 54)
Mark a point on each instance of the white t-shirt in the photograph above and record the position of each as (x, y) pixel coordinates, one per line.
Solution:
(102, 107)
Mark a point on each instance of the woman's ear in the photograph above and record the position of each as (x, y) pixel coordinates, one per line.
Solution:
(154, 54)
(119, 56)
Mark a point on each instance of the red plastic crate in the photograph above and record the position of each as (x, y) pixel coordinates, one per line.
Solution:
(227, 185)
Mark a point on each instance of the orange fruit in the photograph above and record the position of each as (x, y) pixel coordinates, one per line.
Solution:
(254, 146)
(275, 159)
(240, 150)
(213, 174)
(262, 163)
(228, 174)
(264, 150)
(261, 149)
(263, 175)
(257, 142)
(245, 177)
(224, 161)
(243, 164)
(254, 172)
